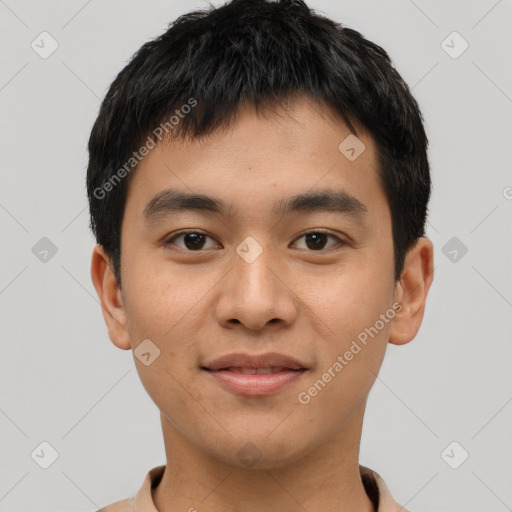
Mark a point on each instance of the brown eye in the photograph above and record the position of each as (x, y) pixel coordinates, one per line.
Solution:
(192, 240)
(317, 240)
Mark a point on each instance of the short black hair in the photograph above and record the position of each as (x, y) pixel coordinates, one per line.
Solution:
(210, 61)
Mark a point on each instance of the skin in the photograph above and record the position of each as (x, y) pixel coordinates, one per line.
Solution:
(310, 304)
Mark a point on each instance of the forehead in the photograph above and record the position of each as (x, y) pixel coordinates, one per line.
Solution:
(262, 157)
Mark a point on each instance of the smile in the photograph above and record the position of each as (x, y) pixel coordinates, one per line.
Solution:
(255, 375)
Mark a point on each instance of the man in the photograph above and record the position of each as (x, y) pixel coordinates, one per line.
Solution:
(258, 184)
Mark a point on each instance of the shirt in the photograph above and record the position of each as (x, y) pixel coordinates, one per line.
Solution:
(373, 483)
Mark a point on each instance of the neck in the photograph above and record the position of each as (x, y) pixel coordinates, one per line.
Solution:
(326, 480)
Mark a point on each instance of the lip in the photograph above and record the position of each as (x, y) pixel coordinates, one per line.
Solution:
(244, 360)
(227, 371)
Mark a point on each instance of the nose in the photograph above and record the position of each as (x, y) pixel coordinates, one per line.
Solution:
(256, 293)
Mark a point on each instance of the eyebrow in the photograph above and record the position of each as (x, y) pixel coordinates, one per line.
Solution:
(175, 201)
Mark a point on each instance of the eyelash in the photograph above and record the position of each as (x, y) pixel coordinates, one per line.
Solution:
(315, 231)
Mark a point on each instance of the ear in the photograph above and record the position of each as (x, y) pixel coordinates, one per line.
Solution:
(111, 298)
(411, 291)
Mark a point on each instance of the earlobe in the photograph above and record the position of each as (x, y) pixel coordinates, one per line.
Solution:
(412, 290)
(111, 298)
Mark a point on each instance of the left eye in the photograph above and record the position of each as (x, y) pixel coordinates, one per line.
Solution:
(195, 241)
(316, 240)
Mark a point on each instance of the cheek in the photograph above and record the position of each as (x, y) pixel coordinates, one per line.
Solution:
(161, 298)
(355, 300)
(352, 352)
(355, 342)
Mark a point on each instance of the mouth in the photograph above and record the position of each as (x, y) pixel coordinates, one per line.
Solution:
(255, 375)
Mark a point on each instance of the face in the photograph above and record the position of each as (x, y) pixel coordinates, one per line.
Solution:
(287, 269)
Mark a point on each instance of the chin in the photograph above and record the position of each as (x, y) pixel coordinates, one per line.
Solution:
(257, 450)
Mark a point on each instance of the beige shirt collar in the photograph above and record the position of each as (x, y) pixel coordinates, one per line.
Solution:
(143, 502)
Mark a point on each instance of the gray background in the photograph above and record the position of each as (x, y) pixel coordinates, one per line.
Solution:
(63, 382)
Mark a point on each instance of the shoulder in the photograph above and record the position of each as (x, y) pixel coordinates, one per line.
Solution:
(119, 506)
(378, 492)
